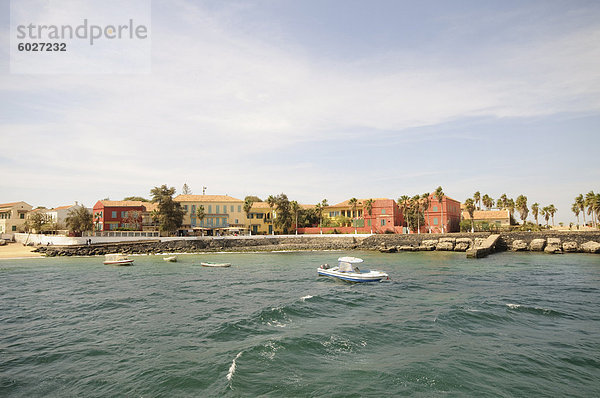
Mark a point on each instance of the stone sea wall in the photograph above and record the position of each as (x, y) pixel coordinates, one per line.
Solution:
(549, 242)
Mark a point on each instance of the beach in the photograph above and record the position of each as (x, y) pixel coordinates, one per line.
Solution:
(17, 250)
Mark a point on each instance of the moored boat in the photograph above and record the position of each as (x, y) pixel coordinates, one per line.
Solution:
(216, 265)
(171, 259)
(117, 259)
(348, 271)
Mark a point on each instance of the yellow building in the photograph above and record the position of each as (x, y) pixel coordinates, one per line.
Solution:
(222, 214)
(260, 218)
(13, 216)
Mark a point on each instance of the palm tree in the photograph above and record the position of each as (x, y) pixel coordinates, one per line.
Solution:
(535, 208)
(590, 199)
(200, 214)
(510, 206)
(295, 207)
(320, 207)
(369, 210)
(404, 203)
(546, 214)
(416, 206)
(272, 201)
(522, 207)
(575, 210)
(477, 198)
(502, 202)
(597, 207)
(487, 201)
(470, 207)
(581, 203)
(426, 201)
(552, 210)
(353, 203)
(439, 194)
(247, 209)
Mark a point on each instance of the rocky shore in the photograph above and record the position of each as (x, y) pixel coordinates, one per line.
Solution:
(548, 242)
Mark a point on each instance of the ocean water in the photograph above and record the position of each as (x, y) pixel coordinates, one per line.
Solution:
(510, 325)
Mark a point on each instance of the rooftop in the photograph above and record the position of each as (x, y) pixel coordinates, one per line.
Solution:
(206, 198)
(487, 215)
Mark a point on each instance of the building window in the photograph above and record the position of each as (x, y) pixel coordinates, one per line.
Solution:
(194, 209)
(114, 214)
(259, 215)
(225, 209)
(435, 221)
(123, 214)
(218, 208)
(209, 209)
(185, 208)
(217, 221)
(231, 208)
(369, 222)
(382, 211)
(239, 209)
(236, 221)
(22, 216)
(383, 223)
(435, 208)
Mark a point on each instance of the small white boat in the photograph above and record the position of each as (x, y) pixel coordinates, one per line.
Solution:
(217, 265)
(117, 259)
(349, 272)
(171, 259)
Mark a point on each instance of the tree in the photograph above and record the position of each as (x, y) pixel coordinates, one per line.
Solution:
(470, 207)
(320, 207)
(404, 204)
(477, 199)
(248, 202)
(369, 210)
(200, 214)
(546, 214)
(590, 199)
(534, 210)
(488, 202)
(426, 201)
(170, 213)
(581, 203)
(416, 207)
(186, 189)
(253, 198)
(575, 210)
(272, 202)
(284, 213)
(439, 194)
(295, 208)
(521, 205)
(353, 204)
(79, 220)
(552, 210)
(136, 198)
(37, 220)
(134, 217)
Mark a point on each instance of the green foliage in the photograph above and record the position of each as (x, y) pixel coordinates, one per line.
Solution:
(284, 217)
(308, 218)
(138, 198)
(170, 213)
(253, 198)
(37, 221)
(79, 220)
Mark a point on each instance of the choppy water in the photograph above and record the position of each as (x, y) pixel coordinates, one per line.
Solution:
(509, 325)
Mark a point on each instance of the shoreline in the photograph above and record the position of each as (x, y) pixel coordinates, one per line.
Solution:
(16, 251)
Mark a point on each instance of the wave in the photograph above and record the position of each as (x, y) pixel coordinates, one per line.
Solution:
(535, 310)
(306, 297)
(232, 368)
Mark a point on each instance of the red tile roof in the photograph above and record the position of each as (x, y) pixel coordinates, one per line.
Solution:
(206, 198)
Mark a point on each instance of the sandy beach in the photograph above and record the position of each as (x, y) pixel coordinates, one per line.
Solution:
(17, 250)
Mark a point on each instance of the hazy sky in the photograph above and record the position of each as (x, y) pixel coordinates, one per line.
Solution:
(321, 99)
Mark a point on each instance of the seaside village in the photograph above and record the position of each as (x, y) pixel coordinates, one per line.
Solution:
(223, 215)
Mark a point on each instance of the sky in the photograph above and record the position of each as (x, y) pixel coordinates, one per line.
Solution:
(319, 99)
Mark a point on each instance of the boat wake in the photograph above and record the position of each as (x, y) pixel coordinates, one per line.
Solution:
(534, 310)
(306, 297)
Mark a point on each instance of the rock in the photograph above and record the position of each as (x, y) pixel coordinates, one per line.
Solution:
(405, 248)
(428, 244)
(445, 246)
(384, 249)
(478, 242)
(537, 245)
(570, 247)
(2, 242)
(553, 246)
(426, 248)
(519, 245)
(451, 240)
(591, 247)
(461, 246)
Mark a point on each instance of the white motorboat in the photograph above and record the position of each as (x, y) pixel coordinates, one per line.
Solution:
(216, 265)
(348, 271)
(117, 259)
(171, 259)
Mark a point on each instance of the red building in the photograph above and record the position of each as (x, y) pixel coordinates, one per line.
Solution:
(385, 216)
(445, 215)
(111, 215)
